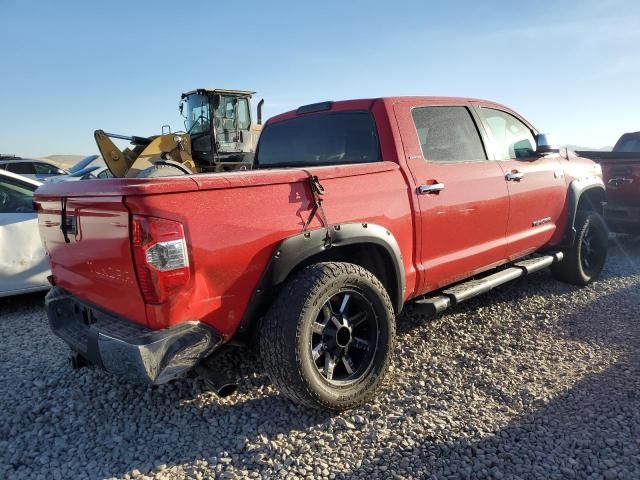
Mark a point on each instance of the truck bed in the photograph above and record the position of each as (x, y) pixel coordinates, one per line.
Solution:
(219, 212)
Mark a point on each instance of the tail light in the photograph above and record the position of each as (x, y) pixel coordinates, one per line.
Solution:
(160, 255)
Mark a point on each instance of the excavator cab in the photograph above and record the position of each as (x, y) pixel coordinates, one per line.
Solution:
(220, 135)
(219, 124)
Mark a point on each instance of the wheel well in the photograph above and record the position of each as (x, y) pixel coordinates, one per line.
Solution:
(366, 255)
(592, 200)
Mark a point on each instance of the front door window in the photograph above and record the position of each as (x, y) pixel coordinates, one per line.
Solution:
(512, 138)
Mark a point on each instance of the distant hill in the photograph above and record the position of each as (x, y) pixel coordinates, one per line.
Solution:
(66, 161)
(63, 161)
(592, 149)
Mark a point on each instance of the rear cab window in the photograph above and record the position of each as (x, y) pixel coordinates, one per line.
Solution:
(628, 144)
(327, 138)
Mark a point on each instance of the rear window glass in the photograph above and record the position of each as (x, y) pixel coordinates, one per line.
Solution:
(320, 139)
(629, 144)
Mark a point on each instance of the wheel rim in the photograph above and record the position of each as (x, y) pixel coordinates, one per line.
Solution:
(344, 338)
(592, 247)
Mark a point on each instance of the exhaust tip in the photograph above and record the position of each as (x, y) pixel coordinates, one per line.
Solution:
(226, 390)
(259, 111)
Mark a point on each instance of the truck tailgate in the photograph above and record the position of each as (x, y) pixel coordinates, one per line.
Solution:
(93, 259)
(623, 182)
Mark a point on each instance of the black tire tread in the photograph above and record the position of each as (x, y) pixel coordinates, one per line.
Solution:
(281, 330)
(569, 270)
(161, 170)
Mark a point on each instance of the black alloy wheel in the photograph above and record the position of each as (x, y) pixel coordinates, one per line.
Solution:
(592, 251)
(344, 337)
(584, 259)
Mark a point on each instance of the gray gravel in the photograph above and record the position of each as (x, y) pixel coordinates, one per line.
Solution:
(536, 380)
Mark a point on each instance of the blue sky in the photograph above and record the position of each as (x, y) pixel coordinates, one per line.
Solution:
(70, 67)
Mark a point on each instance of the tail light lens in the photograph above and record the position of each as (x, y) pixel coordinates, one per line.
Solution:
(160, 255)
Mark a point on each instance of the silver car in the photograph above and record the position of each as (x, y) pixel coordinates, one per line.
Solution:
(24, 266)
(88, 173)
(36, 169)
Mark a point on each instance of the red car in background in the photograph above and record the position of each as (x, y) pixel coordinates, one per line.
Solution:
(621, 173)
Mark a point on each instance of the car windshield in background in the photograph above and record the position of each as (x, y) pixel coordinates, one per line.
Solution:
(320, 139)
(15, 198)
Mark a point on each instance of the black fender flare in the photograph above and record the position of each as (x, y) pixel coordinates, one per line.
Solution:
(577, 188)
(294, 250)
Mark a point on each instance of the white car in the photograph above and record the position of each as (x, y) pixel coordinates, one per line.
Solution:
(24, 266)
(36, 169)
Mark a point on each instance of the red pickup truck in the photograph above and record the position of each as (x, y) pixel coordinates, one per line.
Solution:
(621, 171)
(352, 209)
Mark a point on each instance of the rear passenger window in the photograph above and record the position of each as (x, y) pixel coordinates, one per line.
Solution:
(21, 168)
(448, 134)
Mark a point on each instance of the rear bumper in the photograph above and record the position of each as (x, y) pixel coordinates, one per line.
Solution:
(622, 219)
(127, 349)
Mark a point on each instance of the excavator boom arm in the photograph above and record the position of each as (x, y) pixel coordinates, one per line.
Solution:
(117, 161)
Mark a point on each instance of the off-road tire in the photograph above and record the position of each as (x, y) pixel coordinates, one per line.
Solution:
(572, 268)
(161, 170)
(286, 329)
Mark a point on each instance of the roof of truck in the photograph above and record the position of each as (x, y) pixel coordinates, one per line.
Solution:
(246, 93)
(367, 104)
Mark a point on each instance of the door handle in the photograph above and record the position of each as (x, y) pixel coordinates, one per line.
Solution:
(514, 176)
(433, 188)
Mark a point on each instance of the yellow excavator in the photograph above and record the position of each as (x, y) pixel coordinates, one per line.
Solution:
(220, 136)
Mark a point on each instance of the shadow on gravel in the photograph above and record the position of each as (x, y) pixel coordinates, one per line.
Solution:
(88, 424)
(21, 302)
(591, 430)
(624, 250)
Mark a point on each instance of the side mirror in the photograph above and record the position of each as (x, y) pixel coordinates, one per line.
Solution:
(545, 144)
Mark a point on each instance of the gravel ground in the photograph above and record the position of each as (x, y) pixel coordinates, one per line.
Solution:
(536, 380)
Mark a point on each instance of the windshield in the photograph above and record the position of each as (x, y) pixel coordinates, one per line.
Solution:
(197, 114)
(320, 139)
